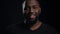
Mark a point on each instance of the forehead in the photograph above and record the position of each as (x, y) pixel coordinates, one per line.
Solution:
(31, 2)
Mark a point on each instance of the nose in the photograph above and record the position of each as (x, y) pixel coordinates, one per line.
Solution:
(31, 10)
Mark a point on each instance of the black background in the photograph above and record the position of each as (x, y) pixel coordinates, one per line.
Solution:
(12, 9)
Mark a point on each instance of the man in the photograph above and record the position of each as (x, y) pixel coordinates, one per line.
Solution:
(31, 23)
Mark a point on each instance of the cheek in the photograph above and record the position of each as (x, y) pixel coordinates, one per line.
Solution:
(25, 12)
(36, 10)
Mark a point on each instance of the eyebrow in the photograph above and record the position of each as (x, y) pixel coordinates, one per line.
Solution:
(33, 5)
(36, 5)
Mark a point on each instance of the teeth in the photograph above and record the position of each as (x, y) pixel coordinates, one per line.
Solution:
(32, 16)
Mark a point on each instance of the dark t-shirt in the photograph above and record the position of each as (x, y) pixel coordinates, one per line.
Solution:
(20, 29)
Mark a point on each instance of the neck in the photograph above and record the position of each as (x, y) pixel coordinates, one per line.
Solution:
(36, 26)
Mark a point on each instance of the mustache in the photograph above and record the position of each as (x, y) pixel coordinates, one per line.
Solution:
(32, 14)
(29, 14)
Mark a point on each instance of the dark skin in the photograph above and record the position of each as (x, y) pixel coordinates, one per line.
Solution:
(32, 11)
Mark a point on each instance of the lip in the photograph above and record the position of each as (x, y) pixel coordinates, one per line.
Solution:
(32, 16)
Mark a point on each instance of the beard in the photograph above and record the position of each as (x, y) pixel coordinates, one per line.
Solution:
(30, 22)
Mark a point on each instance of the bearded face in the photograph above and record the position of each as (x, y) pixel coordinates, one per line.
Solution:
(32, 9)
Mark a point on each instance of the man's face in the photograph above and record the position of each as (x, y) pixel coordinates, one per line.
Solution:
(32, 9)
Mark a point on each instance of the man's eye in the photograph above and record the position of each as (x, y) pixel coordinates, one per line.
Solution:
(35, 7)
(26, 8)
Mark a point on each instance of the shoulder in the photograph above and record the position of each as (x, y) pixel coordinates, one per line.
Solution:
(12, 27)
(49, 29)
